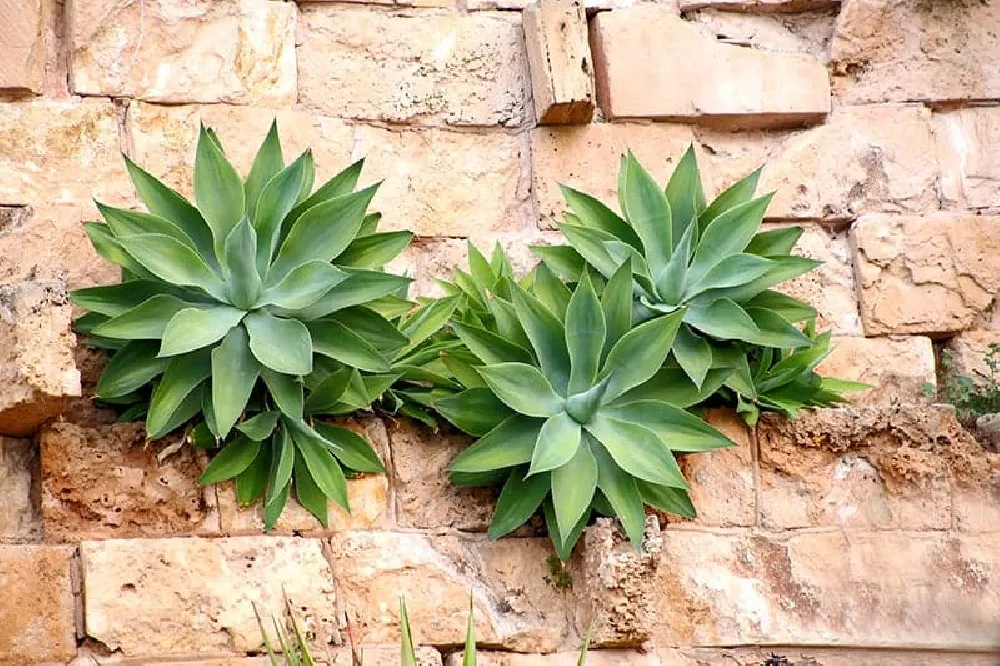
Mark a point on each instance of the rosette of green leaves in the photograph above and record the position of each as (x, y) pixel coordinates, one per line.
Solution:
(709, 261)
(252, 310)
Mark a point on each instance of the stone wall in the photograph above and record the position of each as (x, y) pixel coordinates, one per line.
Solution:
(865, 535)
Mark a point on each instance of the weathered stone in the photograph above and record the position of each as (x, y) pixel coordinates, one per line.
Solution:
(107, 482)
(191, 596)
(891, 50)
(174, 51)
(792, 656)
(390, 656)
(586, 158)
(968, 143)
(709, 82)
(926, 275)
(61, 152)
(425, 497)
(19, 517)
(514, 604)
(164, 138)
(594, 658)
(807, 33)
(592, 6)
(562, 86)
(36, 355)
(443, 183)
(22, 46)
(37, 621)
(461, 70)
(968, 354)
(722, 483)
(758, 5)
(899, 370)
(370, 656)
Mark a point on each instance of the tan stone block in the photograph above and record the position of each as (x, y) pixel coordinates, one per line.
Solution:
(891, 50)
(191, 596)
(708, 82)
(460, 70)
(806, 33)
(445, 183)
(61, 152)
(175, 51)
(795, 655)
(370, 656)
(586, 158)
(165, 138)
(19, 515)
(108, 482)
(37, 618)
(968, 142)
(926, 275)
(555, 33)
(968, 352)
(514, 604)
(594, 658)
(390, 656)
(897, 369)
(22, 46)
(762, 6)
(37, 373)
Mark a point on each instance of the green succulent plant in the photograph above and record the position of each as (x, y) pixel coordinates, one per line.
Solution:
(251, 312)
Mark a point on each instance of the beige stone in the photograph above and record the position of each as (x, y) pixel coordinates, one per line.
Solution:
(37, 620)
(926, 275)
(594, 658)
(460, 70)
(37, 373)
(899, 370)
(807, 32)
(514, 604)
(893, 50)
(968, 143)
(969, 352)
(22, 45)
(761, 6)
(108, 482)
(61, 152)
(709, 82)
(19, 515)
(183, 51)
(444, 183)
(191, 596)
(562, 85)
(795, 656)
(370, 656)
(722, 480)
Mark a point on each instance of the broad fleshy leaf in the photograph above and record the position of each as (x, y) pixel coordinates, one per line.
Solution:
(522, 388)
(234, 374)
(283, 345)
(194, 328)
(558, 440)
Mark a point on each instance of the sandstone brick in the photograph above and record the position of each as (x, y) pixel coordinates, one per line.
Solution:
(444, 183)
(107, 482)
(592, 6)
(37, 373)
(390, 656)
(968, 354)
(594, 658)
(460, 70)
(891, 50)
(555, 33)
(515, 606)
(794, 656)
(968, 143)
(766, 88)
(19, 516)
(926, 275)
(61, 152)
(191, 596)
(762, 6)
(22, 47)
(37, 622)
(171, 51)
(370, 656)
(897, 369)
(804, 33)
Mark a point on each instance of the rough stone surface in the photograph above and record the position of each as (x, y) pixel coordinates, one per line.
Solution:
(710, 81)
(722, 480)
(969, 150)
(22, 45)
(758, 5)
(182, 51)
(897, 369)
(515, 606)
(460, 70)
(893, 50)
(19, 515)
(37, 373)
(807, 33)
(562, 84)
(190, 596)
(968, 354)
(37, 614)
(370, 656)
(61, 152)
(926, 275)
(794, 656)
(107, 482)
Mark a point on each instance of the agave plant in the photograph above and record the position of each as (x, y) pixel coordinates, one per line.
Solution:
(250, 312)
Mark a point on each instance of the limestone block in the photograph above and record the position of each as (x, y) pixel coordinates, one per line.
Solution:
(897, 369)
(805, 33)
(794, 656)
(451, 68)
(968, 354)
(190, 596)
(708, 81)
(968, 143)
(562, 86)
(761, 6)
(182, 51)
(37, 618)
(370, 656)
(22, 45)
(594, 658)
(37, 373)
(926, 275)
(19, 515)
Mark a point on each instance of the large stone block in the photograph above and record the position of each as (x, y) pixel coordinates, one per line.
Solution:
(178, 51)
(791, 655)
(802, 33)
(163, 597)
(37, 617)
(460, 70)
(370, 656)
(562, 84)
(37, 373)
(969, 353)
(722, 480)
(19, 515)
(762, 6)
(707, 81)
(926, 275)
(899, 370)
(108, 482)
(969, 150)
(515, 605)
(22, 46)
(893, 50)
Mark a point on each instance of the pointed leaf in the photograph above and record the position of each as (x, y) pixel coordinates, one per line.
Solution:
(230, 461)
(558, 440)
(282, 461)
(552, 293)
(646, 208)
(776, 331)
(782, 305)
(475, 410)
(677, 429)
(259, 427)
(639, 354)
(522, 388)
(734, 270)
(373, 327)
(182, 375)
(775, 242)
(562, 543)
(251, 482)
(323, 468)
(234, 374)
(593, 214)
(333, 339)
(737, 194)
(131, 368)
(194, 328)
(685, 194)
(426, 321)
(585, 333)
(243, 279)
(510, 443)
(350, 448)
(616, 302)
(489, 347)
(308, 493)
(173, 262)
(146, 321)
(276, 200)
(728, 234)
(621, 491)
(107, 246)
(573, 488)
(665, 498)
(374, 250)
(637, 450)
(360, 287)
(519, 500)
(564, 261)
(266, 164)
(286, 391)
(304, 285)
(548, 337)
(723, 319)
(339, 185)
(218, 189)
(283, 345)
(124, 222)
(693, 354)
